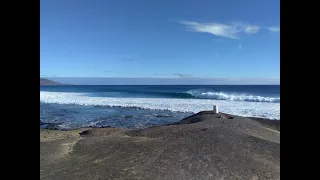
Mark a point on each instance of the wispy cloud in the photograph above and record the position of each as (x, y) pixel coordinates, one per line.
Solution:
(183, 75)
(232, 30)
(250, 29)
(240, 46)
(107, 71)
(274, 29)
(160, 74)
(175, 74)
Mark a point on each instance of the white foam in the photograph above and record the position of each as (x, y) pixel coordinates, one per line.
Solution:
(241, 108)
(231, 97)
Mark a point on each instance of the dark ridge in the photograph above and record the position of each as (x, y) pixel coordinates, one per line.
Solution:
(84, 133)
(193, 118)
(198, 117)
(52, 126)
(44, 81)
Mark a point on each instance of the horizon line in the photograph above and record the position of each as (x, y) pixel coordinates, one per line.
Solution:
(163, 81)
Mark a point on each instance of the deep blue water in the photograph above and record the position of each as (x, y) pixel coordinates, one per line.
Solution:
(143, 106)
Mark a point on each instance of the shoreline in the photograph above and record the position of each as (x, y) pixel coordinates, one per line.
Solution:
(265, 121)
(201, 146)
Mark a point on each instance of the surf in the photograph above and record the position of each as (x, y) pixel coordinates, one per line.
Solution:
(241, 108)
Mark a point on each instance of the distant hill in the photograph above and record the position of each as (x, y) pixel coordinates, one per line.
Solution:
(44, 81)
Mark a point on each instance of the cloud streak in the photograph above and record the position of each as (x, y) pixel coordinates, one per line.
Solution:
(231, 31)
(183, 75)
(249, 29)
(274, 29)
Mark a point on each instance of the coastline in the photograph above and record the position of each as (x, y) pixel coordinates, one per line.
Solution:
(202, 146)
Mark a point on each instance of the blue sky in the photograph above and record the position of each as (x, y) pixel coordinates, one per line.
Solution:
(228, 39)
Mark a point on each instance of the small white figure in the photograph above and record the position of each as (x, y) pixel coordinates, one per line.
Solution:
(215, 109)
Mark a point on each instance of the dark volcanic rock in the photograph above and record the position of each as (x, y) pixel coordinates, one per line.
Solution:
(52, 126)
(201, 146)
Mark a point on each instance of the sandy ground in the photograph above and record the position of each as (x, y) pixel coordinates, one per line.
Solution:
(202, 146)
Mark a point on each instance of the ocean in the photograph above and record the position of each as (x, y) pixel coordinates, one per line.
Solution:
(140, 106)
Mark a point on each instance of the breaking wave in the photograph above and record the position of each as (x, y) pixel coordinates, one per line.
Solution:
(231, 97)
(237, 105)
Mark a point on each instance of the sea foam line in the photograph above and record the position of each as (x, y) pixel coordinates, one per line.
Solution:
(231, 97)
(241, 108)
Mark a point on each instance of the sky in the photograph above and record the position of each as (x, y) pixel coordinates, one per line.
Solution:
(229, 40)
